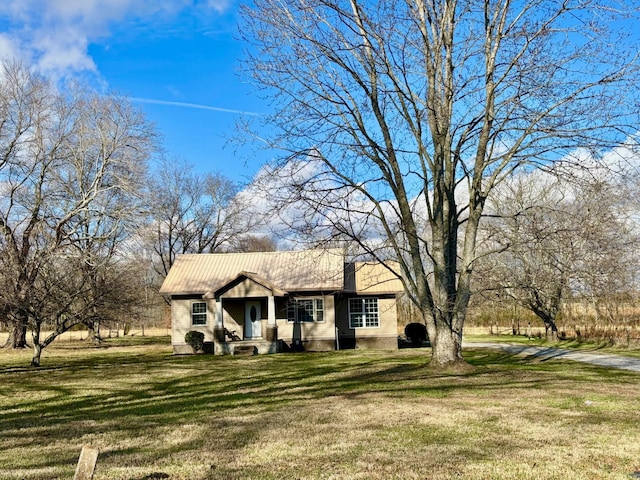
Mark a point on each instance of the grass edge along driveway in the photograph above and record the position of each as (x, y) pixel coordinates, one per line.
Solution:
(545, 353)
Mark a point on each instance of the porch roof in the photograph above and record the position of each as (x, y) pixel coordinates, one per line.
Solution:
(306, 270)
(257, 279)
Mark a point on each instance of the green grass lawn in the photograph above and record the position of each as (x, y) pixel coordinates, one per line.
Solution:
(338, 415)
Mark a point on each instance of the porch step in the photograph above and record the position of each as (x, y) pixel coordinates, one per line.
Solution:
(244, 350)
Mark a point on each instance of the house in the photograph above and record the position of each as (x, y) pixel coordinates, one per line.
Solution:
(274, 301)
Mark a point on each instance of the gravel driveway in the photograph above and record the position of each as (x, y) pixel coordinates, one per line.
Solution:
(548, 353)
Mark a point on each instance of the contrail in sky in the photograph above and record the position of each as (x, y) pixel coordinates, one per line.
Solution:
(191, 105)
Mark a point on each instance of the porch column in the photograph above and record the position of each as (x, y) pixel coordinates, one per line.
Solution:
(271, 310)
(272, 328)
(218, 312)
(218, 329)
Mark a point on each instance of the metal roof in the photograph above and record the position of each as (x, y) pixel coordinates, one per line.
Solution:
(289, 271)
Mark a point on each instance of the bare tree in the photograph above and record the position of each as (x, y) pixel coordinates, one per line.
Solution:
(414, 110)
(26, 104)
(608, 268)
(111, 287)
(73, 161)
(253, 243)
(69, 292)
(540, 243)
(191, 213)
(557, 240)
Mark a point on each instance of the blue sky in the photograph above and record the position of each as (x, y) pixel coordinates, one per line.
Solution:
(177, 60)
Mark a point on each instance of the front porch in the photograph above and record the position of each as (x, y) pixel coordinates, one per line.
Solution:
(226, 342)
(255, 346)
(241, 326)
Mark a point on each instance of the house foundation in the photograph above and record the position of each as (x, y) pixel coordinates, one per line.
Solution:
(243, 347)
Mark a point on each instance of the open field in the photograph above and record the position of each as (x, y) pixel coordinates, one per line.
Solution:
(78, 335)
(338, 415)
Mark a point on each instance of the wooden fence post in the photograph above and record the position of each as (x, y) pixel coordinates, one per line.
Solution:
(86, 463)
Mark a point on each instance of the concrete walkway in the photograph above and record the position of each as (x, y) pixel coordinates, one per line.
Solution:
(548, 353)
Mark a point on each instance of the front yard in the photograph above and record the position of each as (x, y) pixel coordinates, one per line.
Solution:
(338, 415)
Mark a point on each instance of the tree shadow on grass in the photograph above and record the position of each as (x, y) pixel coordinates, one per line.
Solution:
(117, 397)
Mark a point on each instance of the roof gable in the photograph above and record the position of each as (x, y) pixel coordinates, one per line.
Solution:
(305, 270)
(250, 281)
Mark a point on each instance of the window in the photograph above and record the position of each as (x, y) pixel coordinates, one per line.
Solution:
(363, 313)
(199, 313)
(304, 310)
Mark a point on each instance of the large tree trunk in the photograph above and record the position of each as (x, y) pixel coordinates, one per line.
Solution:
(549, 320)
(446, 340)
(451, 284)
(93, 332)
(550, 327)
(17, 336)
(547, 312)
(551, 331)
(446, 349)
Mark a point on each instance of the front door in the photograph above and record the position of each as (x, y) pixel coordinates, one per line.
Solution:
(252, 315)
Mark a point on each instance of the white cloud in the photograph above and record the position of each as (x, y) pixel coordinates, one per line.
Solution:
(8, 47)
(55, 35)
(219, 5)
(303, 203)
(61, 50)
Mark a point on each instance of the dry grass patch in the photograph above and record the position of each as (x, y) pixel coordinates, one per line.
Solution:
(340, 415)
